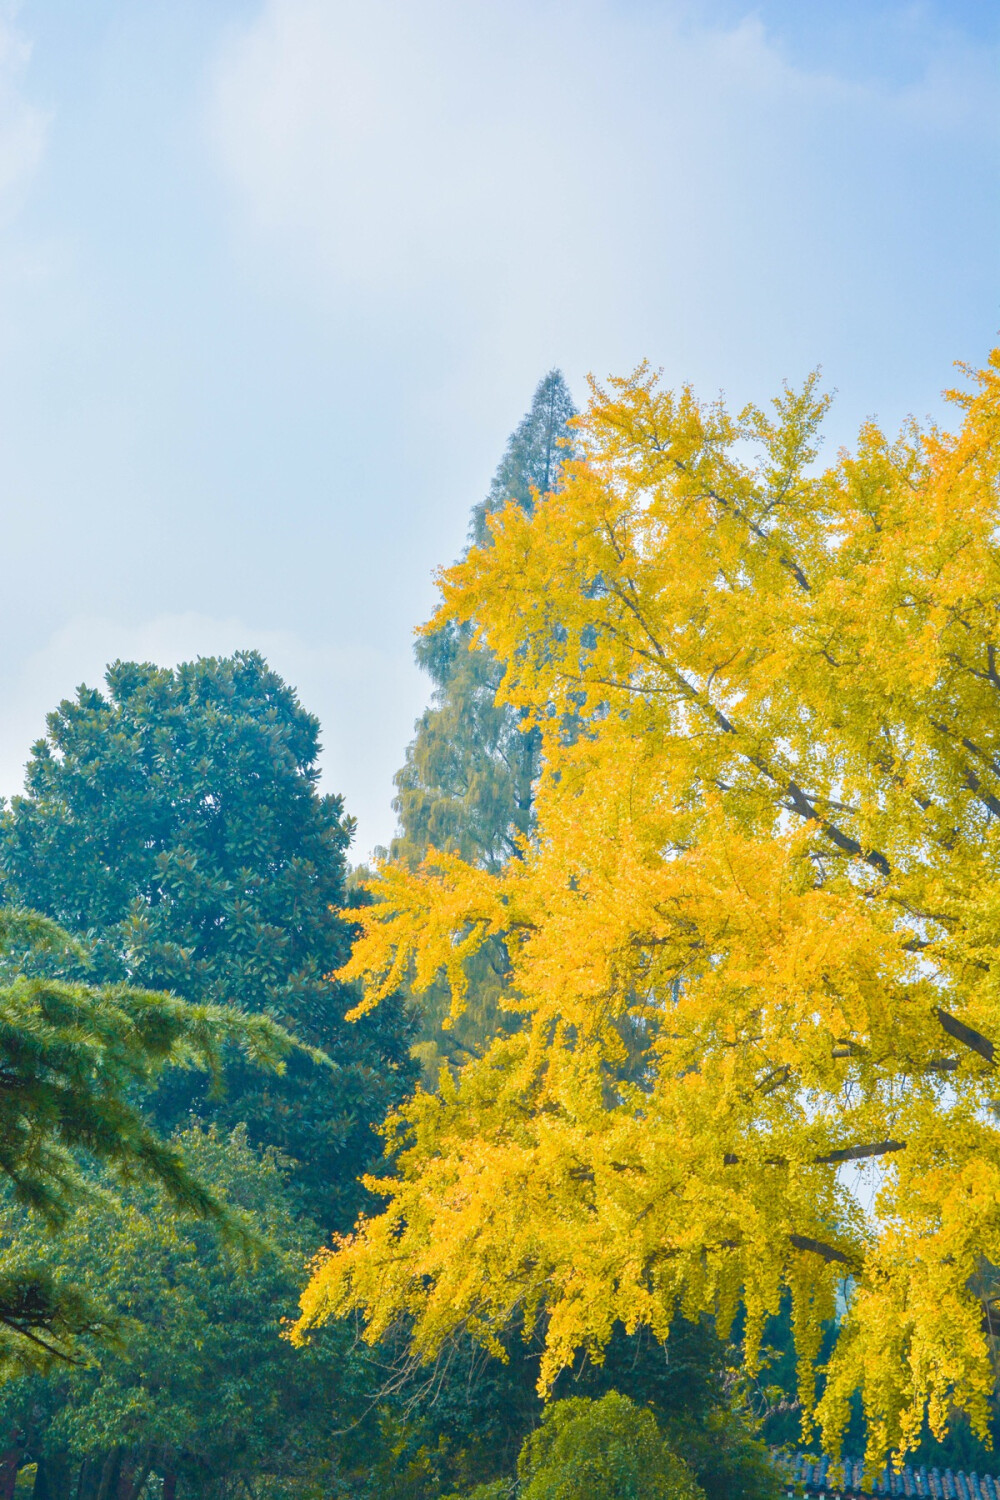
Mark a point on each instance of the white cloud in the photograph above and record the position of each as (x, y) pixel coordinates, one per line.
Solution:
(366, 702)
(400, 145)
(23, 126)
(595, 182)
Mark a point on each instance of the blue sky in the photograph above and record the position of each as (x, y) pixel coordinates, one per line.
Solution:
(276, 280)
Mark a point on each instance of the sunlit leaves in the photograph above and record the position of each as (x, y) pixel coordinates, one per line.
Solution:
(754, 939)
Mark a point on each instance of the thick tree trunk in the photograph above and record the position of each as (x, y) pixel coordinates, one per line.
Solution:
(134, 1473)
(88, 1477)
(52, 1478)
(109, 1475)
(169, 1485)
(126, 1472)
(10, 1462)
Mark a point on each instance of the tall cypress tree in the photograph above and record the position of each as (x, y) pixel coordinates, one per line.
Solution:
(467, 783)
(173, 824)
(535, 452)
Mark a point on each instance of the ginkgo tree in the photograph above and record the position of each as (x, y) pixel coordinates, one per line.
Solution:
(755, 938)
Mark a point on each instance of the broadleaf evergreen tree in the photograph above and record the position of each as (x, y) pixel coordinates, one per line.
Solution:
(602, 1450)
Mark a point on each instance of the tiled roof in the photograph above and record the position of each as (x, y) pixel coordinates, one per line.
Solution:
(845, 1481)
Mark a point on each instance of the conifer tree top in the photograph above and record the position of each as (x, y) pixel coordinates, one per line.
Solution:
(533, 454)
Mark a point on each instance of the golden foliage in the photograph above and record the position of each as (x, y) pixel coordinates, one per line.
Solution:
(755, 945)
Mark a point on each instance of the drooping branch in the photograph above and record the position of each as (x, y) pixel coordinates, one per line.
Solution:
(33, 1337)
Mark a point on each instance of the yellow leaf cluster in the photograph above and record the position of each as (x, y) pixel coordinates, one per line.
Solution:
(755, 944)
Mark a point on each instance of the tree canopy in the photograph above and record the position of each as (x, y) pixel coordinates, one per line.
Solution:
(174, 826)
(199, 1387)
(469, 776)
(753, 940)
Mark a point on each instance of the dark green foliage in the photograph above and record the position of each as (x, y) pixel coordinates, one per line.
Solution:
(960, 1449)
(202, 1387)
(73, 1062)
(468, 782)
(614, 1447)
(535, 450)
(454, 1425)
(463, 1423)
(173, 824)
(684, 1383)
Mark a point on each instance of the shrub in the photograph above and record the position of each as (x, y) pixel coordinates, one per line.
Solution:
(602, 1450)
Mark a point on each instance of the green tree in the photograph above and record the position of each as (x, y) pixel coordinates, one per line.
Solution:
(462, 1421)
(467, 781)
(467, 784)
(201, 1390)
(74, 1062)
(173, 824)
(602, 1450)
(533, 457)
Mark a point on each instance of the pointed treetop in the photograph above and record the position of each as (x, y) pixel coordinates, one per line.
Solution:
(534, 452)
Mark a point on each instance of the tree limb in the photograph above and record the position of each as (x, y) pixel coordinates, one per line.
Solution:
(967, 1036)
(860, 1153)
(829, 1253)
(830, 1158)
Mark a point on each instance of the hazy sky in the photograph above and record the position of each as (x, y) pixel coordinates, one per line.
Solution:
(276, 281)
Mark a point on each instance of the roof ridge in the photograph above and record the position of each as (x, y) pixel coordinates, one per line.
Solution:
(844, 1479)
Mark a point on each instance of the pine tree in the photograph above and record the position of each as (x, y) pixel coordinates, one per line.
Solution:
(199, 1389)
(75, 1061)
(468, 782)
(173, 825)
